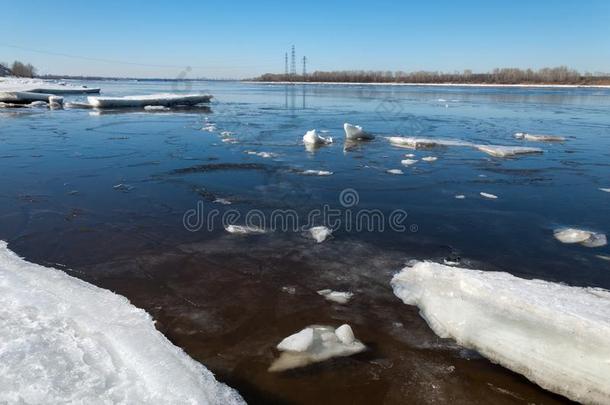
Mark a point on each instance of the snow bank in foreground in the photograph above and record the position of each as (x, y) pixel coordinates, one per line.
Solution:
(162, 99)
(315, 344)
(555, 335)
(63, 340)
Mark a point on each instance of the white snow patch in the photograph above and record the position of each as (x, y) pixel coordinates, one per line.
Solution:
(394, 171)
(489, 196)
(244, 230)
(507, 151)
(583, 237)
(63, 340)
(320, 233)
(326, 344)
(539, 138)
(355, 132)
(312, 138)
(555, 335)
(340, 297)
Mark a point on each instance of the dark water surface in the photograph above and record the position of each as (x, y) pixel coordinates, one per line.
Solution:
(104, 194)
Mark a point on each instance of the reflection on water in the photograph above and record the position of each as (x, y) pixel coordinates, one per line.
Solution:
(105, 195)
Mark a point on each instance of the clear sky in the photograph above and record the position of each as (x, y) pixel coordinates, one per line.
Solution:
(241, 38)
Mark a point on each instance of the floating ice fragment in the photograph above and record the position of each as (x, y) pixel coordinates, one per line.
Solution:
(210, 127)
(409, 155)
(345, 334)
(408, 162)
(340, 297)
(122, 187)
(553, 334)
(244, 230)
(429, 159)
(605, 190)
(261, 154)
(539, 138)
(156, 108)
(419, 143)
(325, 345)
(299, 342)
(320, 233)
(572, 235)
(56, 102)
(489, 196)
(596, 240)
(316, 172)
(67, 341)
(507, 151)
(460, 197)
(222, 201)
(394, 171)
(603, 257)
(312, 138)
(164, 99)
(355, 132)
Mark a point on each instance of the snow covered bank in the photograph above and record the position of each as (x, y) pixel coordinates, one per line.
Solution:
(17, 84)
(162, 99)
(555, 335)
(63, 340)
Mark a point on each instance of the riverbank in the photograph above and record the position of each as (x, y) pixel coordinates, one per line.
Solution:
(551, 86)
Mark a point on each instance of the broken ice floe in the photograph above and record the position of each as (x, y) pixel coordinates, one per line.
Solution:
(163, 99)
(356, 133)
(429, 159)
(156, 108)
(340, 297)
(507, 151)
(312, 138)
(583, 237)
(316, 344)
(261, 154)
(394, 171)
(244, 230)
(539, 138)
(49, 87)
(409, 155)
(408, 162)
(222, 201)
(605, 190)
(310, 172)
(67, 341)
(460, 197)
(320, 233)
(553, 334)
(489, 196)
(424, 143)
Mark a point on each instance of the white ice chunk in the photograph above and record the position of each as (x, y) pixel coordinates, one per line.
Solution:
(489, 196)
(162, 99)
(312, 138)
(340, 297)
(244, 230)
(355, 132)
(460, 197)
(507, 151)
(316, 172)
(585, 238)
(605, 190)
(394, 171)
(539, 138)
(326, 344)
(320, 233)
(299, 342)
(345, 334)
(409, 155)
(429, 159)
(408, 162)
(56, 102)
(63, 340)
(555, 335)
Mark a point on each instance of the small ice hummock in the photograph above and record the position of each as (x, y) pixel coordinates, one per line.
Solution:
(66, 341)
(244, 229)
(408, 162)
(507, 151)
(539, 138)
(356, 133)
(313, 139)
(394, 171)
(320, 233)
(315, 344)
(583, 237)
(488, 196)
(310, 172)
(340, 297)
(553, 334)
(429, 159)
(162, 99)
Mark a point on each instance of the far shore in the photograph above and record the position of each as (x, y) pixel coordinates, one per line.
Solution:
(528, 85)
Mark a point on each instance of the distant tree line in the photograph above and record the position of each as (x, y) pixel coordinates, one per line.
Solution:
(556, 75)
(18, 68)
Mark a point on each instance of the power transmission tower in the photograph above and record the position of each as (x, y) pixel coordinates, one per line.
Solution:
(293, 65)
(304, 66)
(286, 64)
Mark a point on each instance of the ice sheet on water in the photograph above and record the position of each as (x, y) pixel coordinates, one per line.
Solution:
(161, 99)
(63, 340)
(424, 143)
(555, 335)
(507, 151)
(310, 172)
(315, 344)
(539, 138)
(394, 171)
(489, 196)
(244, 230)
(586, 238)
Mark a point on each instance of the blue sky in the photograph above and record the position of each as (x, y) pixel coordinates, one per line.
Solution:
(237, 39)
